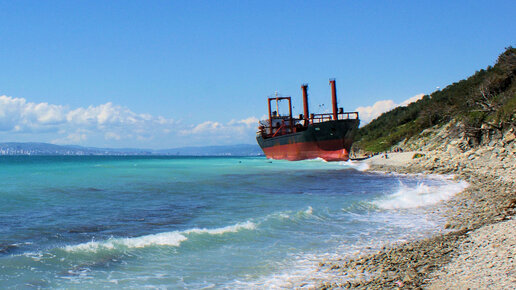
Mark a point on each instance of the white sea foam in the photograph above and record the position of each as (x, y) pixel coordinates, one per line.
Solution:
(420, 195)
(283, 215)
(161, 239)
(360, 166)
(173, 239)
(302, 271)
(292, 275)
(288, 217)
(248, 225)
(308, 212)
(318, 159)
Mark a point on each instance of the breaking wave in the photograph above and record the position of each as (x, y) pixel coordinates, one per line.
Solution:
(357, 165)
(294, 216)
(248, 225)
(420, 195)
(172, 239)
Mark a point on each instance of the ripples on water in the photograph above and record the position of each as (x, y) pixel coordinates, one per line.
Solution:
(198, 222)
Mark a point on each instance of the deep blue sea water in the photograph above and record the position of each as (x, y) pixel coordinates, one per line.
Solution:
(195, 222)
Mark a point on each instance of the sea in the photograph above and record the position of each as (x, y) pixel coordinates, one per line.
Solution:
(200, 222)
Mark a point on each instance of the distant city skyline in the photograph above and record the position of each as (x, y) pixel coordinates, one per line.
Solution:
(165, 74)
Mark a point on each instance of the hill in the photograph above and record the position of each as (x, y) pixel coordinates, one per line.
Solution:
(482, 103)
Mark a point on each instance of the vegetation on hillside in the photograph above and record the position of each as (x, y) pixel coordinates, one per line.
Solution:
(484, 101)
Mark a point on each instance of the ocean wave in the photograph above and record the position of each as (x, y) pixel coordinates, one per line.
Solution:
(357, 165)
(248, 225)
(290, 218)
(317, 159)
(175, 238)
(171, 239)
(161, 239)
(360, 166)
(420, 195)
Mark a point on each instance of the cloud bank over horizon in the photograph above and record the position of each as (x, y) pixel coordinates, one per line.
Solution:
(111, 125)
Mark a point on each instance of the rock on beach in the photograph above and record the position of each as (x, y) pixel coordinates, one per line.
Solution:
(480, 249)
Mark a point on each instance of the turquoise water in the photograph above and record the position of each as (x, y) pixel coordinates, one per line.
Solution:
(181, 222)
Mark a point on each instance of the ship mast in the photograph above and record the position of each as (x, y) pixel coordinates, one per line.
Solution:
(334, 98)
(304, 87)
(277, 106)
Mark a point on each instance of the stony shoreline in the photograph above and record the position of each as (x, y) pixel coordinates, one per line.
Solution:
(479, 249)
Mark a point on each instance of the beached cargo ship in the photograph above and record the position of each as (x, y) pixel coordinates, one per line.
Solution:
(327, 136)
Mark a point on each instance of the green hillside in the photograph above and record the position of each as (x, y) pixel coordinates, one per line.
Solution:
(485, 99)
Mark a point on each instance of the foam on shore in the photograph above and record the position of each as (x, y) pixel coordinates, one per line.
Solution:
(420, 195)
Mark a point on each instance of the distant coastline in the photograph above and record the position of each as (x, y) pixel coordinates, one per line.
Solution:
(34, 148)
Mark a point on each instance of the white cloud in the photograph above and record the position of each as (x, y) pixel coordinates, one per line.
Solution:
(16, 114)
(112, 125)
(111, 121)
(205, 127)
(112, 136)
(44, 113)
(213, 132)
(72, 138)
(249, 122)
(212, 127)
(412, 100)
(369, 113)
(109, 114)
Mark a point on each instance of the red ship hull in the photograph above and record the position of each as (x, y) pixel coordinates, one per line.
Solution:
(307, 150)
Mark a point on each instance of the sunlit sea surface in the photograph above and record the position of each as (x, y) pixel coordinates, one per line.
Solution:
(195, 222)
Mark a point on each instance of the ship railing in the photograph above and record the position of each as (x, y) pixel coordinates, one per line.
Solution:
(319, 118)
(283, 130)
(279, 129)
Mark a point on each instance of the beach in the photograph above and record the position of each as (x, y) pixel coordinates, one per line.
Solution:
(478, 244)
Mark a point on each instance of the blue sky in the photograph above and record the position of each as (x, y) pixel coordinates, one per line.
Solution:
(162, 74)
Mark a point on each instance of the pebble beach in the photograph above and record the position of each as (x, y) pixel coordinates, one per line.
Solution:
(477, 246)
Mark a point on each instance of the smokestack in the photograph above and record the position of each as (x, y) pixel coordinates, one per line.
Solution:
(334, 98)
(304, 87)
